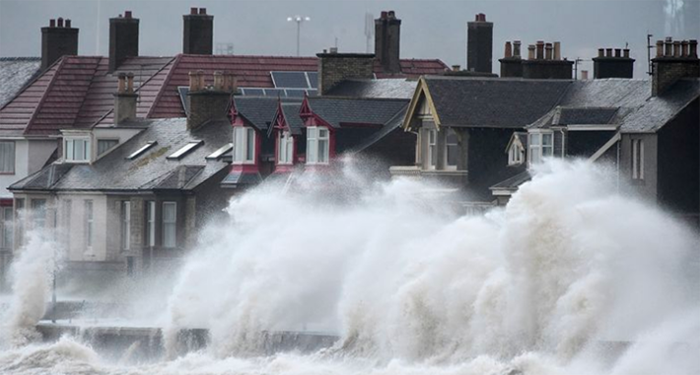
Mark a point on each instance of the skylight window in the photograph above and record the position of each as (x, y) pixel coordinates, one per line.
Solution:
(185, 149)
(217, 154)
(141, 150)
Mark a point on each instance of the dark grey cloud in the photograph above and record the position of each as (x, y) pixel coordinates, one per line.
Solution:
(430, 29)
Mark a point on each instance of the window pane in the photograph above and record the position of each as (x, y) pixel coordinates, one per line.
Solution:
(126, 225)
(323, 151)
(323, 133)
(546, 139)
(290, 149)
(534, 139)
(69, 150)
(105, 144)
(7, 157)
(151, 227)
(88, 223)
(169, 224)
(250, 145)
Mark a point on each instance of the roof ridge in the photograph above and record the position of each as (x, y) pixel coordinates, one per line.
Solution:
(92, 81)
(58, 64)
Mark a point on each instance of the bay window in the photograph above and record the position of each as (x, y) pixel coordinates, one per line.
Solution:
(243, 145)
(318, 145)
(286, 148)
(541, 145)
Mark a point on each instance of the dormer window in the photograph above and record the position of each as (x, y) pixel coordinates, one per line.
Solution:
(243, 145)
(541, 146)
(317, 145)
(286, 148)
(76, 149)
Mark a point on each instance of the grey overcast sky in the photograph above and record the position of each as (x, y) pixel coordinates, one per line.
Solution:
(430, 28)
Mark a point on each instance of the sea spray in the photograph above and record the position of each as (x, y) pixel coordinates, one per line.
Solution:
(31, 277)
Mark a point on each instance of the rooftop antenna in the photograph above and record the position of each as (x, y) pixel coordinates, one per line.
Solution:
(369, 30)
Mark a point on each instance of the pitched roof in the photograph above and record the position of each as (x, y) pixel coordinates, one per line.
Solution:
(658, 111)
(151, 170)
(375, 88)
(340, 112)
(75, 92)
(259, 111)
(493, 102)
(596, 115)
(15, 72)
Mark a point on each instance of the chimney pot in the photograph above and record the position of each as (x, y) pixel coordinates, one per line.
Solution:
(540, 50)
(456, 68)
(618, 52)
(684, 49)
(60, 22)
(668, 47)
(516, 48)
(601, 52)
(659, 48)
(52, 23)
(608, 52)
(677, 48)
(203, 11)
(383, 15)
(68, 24)
(193, 10)
(391, 14)
(626, 53)
(531, 52)
(127, 14)
(548, 51)
(219, 81)
(584, 75)
(557, 50)
(476, 18)
(693, 49)
(194, 81)
(130, 83)
(509, 50)
(121, 83)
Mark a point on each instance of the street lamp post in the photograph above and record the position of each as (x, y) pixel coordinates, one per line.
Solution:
(298, 20)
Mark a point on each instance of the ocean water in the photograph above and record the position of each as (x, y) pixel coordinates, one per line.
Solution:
(573, 276)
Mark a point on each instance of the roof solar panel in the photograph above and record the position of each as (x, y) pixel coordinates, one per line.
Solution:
(296, 80)
(313, 79)
(295, 93)
(274, 92)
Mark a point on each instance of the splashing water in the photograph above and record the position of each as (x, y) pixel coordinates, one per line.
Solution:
(551, 284)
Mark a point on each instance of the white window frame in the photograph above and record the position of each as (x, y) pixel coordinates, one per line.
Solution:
(89, 217)
(285, 151)
(169, 240)
(315, 152)
(516, 154)
(7, 157)
(151, 223)
(69, 150)
(125, 214)
(455, 145)
(637, 159)
(244, 139)
(537, 150)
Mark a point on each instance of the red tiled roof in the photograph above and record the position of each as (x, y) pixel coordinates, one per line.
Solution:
(77, 91)
(254, 71)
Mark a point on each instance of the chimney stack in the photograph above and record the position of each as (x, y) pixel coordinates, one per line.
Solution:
(198, 32)
(334, 68)
(387, 37)
(125, 99)
(480, 45)
(613, 66)
(123, 39)
(544, 62)
(57, 41)
(673, 63)
(208, 103)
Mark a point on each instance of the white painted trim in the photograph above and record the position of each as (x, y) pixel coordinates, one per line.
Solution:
(591, 127)
(616, 138)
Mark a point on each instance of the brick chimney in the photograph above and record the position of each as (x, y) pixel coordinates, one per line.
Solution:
(123, 39)
(336, 67)
(607, 65)
(387, 37)
(479, 45)
(198, 32)
(673, 61)
(125, 99)
(544, 62)
(58, 39)
(511, 63)
(208, 103)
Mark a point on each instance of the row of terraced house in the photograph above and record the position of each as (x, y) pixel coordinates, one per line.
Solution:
(129, 156)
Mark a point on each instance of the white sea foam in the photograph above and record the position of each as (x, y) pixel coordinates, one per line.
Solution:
(571, 277)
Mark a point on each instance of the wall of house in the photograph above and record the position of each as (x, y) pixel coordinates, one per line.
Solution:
(647, 188)
(30, 156)
(679, 162)
(487, 163)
